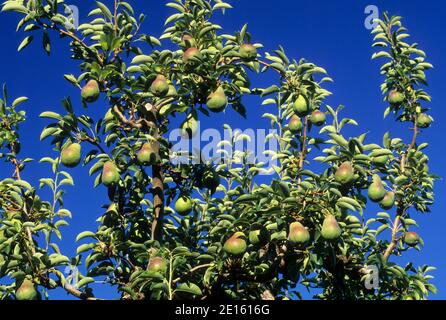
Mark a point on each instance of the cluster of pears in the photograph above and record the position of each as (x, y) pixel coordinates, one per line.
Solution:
(157, 264)
(301, 109)
(90, 92)
(378, 193)
(70, 156)
(345, 175)
(184, 205)
(299, 235)
(27, 291)
(110, 174)
(146, 155)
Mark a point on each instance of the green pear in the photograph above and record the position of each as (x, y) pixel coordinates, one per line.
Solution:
(189, 127)
(395, 97)
(330, 228)
(345, 173)
(388, 201)
(424, 121)
(217, 100)
(258, 235)
(300, 106)
(157, 264)
(71, 155)
(235, 245)
(295, 124)
(191, 53)
(90, 92)
(159, 86)
(376, 191)
(184, 205)
(317, 118)
(27, 291)
(298, 234)
(411, 239)
(248, 51)
(110, 174)
(188, 41)
(146, 155)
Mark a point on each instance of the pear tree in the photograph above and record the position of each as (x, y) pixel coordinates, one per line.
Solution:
(334, 205)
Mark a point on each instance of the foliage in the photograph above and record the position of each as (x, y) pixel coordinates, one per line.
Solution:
(234, 242)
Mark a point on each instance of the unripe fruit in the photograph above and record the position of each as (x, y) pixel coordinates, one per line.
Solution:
(210, 179)
(217, 100)
(395, 97)
(298, 234)
(27, 291)
(295, 124)
(183, 205)
(188, 41)
(157, 264)
(248, 51)
(300, 106)
(71, 155)
(411, 239)
(317, 118)
(388, 201)
(258, 235)
(146, 155)
(189, 128)
(345, 173)
(235, 245)
(191, 53)
(110, 174)
(159, 86)
(330, 228)
(424, 121)
(376, 191)
(90, 92)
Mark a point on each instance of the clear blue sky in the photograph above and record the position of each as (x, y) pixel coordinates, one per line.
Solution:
(329, 33)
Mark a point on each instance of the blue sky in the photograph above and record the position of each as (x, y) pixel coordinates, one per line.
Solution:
(329, 33)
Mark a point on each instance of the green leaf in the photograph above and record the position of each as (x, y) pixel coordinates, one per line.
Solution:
(25, 43)
(19, 101)
(104, 9)
(191, 288)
